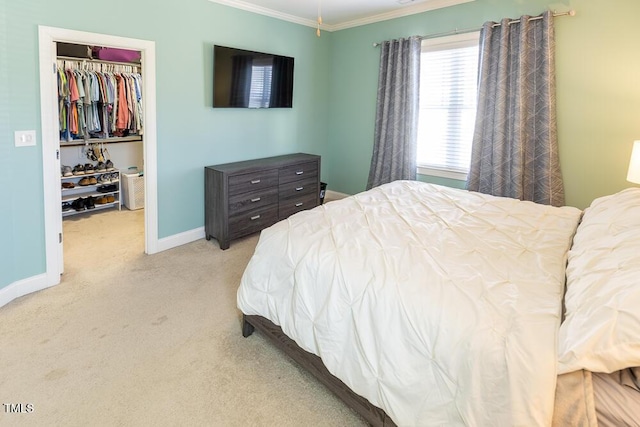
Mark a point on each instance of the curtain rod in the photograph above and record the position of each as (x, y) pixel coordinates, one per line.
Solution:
(470, 30)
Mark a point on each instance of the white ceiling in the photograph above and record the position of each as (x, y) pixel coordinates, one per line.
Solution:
(338, 14)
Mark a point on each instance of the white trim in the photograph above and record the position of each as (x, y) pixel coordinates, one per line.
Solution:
(150, 147)
(181, 239)
(47, 37)
(23, 287)
(454, 41)
(442, 173)
(250, 7)
(50, 161)
(398, 13)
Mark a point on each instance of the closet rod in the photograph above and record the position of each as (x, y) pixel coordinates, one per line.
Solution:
(470, 30)
(99, 61)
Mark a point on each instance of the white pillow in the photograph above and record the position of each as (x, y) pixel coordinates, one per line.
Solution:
(601, 331)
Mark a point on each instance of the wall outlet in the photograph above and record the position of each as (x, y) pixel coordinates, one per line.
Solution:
(25, 138)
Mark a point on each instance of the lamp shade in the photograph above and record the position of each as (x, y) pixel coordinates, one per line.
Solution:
(634, 164)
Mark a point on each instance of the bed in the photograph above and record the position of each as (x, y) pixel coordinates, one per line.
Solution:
(425, 305)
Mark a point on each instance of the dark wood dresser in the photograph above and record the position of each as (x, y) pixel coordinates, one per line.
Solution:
(242, 198)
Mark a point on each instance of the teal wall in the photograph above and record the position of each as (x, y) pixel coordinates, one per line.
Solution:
(191, 134)
(334, 100)
(597, 76)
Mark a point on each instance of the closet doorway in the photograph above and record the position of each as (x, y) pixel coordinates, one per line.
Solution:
(49, 37)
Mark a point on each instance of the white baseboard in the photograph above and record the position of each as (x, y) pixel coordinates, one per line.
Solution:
(24, 287)
(180, 239)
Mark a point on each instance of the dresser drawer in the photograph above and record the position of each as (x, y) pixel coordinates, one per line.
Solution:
(252, 221)
(291, 206)
(296, 189)
(252, 200)
(298, 171)
(252, 181)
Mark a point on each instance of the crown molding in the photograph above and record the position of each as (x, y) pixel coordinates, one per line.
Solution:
(239, 4)
(398, 13)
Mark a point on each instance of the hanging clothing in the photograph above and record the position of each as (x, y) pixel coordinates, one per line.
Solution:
(63, 99)
(94, 101)
(122, 118)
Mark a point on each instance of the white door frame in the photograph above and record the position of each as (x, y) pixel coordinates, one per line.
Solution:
(51, 138)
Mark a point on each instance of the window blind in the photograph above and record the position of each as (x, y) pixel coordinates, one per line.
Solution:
(448, 96)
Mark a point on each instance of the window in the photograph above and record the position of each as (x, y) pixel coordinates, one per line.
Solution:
(260, 93)
(448, 94)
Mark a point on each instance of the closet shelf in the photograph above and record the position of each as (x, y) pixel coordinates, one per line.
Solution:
(86, 193)
(91, 174)
(68, 195)
(95, 209)
(110, 140)
(98, 61)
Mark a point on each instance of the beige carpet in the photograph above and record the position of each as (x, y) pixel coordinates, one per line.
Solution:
(129, 339)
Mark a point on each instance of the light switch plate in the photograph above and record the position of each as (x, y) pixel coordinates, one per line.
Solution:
(25, 138)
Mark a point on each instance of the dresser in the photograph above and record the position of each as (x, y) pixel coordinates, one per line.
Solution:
(245, 197)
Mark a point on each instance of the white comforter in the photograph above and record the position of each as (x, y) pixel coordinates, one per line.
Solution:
(438, 305)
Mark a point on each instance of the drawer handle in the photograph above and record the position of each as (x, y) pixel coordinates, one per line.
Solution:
(299, 172)
(253, 218)
(257, 199)
(299, 188)
(255, 181)
(299, 204)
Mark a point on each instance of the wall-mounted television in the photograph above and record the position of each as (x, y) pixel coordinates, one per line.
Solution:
(248, 79)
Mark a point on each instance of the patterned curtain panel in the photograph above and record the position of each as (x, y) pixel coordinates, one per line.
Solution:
(395, 138)
(515, 147)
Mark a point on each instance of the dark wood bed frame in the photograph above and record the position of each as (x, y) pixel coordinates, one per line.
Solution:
(372, 414)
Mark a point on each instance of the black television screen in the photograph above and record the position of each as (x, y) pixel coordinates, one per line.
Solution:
(247, 79)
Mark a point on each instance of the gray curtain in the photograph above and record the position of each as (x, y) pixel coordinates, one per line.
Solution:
(515, 147)
(396, 128)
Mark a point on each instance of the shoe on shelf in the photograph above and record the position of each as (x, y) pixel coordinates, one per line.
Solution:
(66, 171)
(110, 198)
(66, 206)
(88, 168)
(114, 177)
(68, 185)
(89, 202)
(101, 167)
(101, 200)
(78, 204)
(85, 181)
(104, 179)
(107, 188)
(93, 180)
(78, 170)
(109, 165)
